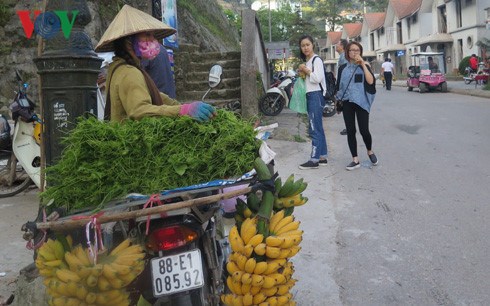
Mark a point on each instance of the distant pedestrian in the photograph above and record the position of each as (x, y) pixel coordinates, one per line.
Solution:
(356, 88)
(340, 48)
(474, 62)
(387, 69)
(315, 81)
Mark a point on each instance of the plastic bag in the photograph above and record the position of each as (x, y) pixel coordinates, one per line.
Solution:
(298, 99)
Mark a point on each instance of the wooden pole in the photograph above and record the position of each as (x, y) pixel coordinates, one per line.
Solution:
(110, 217)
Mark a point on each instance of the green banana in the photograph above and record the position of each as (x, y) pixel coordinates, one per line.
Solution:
(253, 202)
(277, 185)
(240, 207)
(286, 189)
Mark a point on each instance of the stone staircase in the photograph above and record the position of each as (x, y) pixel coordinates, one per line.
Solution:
(191, 76)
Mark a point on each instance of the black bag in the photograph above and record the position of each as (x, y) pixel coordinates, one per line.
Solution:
(339, 106)
(329, 81)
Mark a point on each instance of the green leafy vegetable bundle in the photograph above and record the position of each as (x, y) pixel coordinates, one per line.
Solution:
(106, 161)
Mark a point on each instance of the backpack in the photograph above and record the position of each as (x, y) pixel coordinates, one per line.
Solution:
(329, 81)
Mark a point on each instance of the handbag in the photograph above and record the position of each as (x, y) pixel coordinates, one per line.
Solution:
(339, 104)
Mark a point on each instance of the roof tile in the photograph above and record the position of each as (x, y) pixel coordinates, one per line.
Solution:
(374, 20)
(404, 8)
(352, 29)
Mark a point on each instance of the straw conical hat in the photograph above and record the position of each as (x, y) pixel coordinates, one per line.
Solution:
(130, 21)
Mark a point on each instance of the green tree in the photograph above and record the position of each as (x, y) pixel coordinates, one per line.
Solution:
(330, 11)
(376, 5)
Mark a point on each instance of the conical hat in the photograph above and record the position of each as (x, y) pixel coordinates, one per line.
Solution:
(130, 21)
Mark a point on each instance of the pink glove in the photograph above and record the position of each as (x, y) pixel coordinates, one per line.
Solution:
(198, 110)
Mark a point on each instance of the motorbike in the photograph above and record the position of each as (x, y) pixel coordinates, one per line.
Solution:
(186, 248)
(20, 153)
(477, 76)
(276, 98)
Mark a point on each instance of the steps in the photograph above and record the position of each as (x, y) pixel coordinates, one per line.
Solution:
(192, 71)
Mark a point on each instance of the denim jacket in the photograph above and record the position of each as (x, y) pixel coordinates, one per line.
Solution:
(357, 91)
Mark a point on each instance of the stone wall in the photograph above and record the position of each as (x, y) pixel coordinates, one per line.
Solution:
(18, 52)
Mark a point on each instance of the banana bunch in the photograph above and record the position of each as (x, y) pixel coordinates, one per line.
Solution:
(50, 257)
(78, 281)
(289, 194)
(259, 273)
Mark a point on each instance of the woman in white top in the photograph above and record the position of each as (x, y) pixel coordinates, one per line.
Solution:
(315, 86)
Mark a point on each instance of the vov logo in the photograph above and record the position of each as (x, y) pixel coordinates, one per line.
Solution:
(47, 24)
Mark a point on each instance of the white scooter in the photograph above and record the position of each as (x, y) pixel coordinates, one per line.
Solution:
(276, 98)
(20, 154)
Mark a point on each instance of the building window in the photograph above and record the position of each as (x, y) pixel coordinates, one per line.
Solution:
(442, 18)
(459, 15)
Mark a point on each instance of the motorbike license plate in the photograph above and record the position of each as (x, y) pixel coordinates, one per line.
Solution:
(176, 273)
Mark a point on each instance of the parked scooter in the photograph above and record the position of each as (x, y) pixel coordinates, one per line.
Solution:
(20, 153)
(471, 75)
(276, 98)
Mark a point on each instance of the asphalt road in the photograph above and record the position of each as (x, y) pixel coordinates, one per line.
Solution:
(410, 231)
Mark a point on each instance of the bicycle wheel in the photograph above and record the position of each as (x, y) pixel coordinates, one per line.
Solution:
(13, 178)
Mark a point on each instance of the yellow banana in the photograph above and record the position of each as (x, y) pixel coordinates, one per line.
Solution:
(232, 267)
(246, 278)
(279, 278)
(250, 265)
(248, 230)
(282, 289)
(284, 253)
(72, 288)
(260, 267)
(59, 301)
(259, 298)
(73, 262)
(123, 245)
(121, 269)
(129, 260)
(90, 298)
(241, 261)
(274, 265)
(109, 272)
(103, 284)
(46, 253)
(292, 233)
(237, 276)
(237, 288)
(255, 289)
(58, 249)
(248, 299)
(269, 291)
(294, 225)
(283, 299)
(289, 241)
(275, 219)
(302, 202)
(81, 292)
(260, 249)
(91, 281)
(294, 250)
(257, 280)
(46, 272)
(66, 275)
(246, 288)
(247, 212)
(274, 241)
(272, 252)
(230, 284)
(238, 300)
(83, 271)
(82, 255)
(272, 301)
(269, 282)
(256, 240)
(72, 302)
(236, 241)
(284, 221)
(247, 250)
(131, 250)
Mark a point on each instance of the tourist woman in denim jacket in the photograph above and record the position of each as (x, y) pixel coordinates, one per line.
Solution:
(356, 88)
(315, 77)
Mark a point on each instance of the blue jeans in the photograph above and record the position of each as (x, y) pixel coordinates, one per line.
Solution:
(314, 104)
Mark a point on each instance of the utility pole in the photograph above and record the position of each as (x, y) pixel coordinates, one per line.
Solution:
(270, 30)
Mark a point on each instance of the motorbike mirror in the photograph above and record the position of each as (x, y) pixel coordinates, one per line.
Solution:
(215, 75)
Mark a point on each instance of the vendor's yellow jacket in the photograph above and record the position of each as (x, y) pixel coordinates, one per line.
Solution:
(130, 97)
